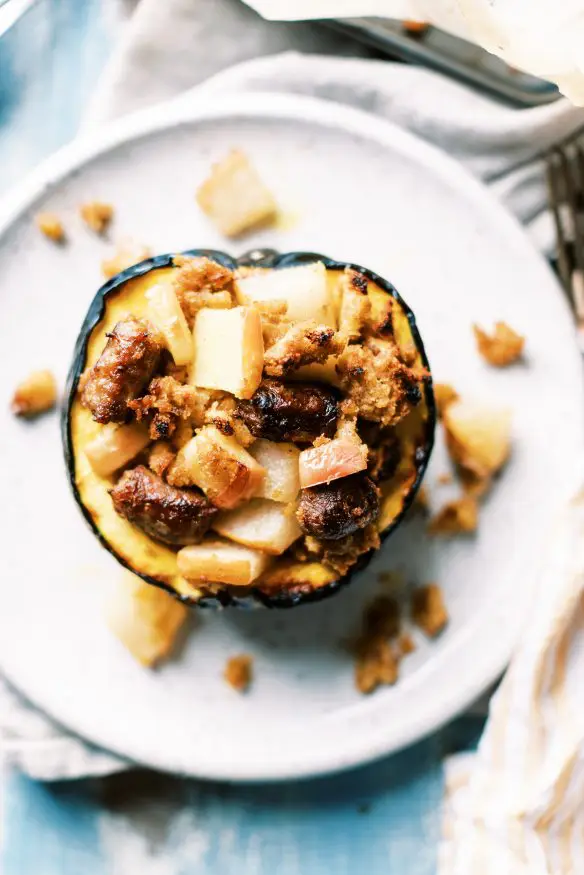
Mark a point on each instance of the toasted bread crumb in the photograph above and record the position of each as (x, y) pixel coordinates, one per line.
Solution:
(382, 618)
(428, 609)
(239, 672)
(445, 479)
(501, 348)
(161, 457)
(234, 196)
(406, 644)
(305, 343)
(127, 253)
(36, 394)
(51, 226)
(455, 517)
(444, 394)
(97, 215)
(376, 664)
(391, 581)
(473, 486)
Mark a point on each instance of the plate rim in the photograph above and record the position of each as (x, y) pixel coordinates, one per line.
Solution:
(200, 108)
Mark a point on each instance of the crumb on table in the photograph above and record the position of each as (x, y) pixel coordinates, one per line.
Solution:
(97, 215)
(382, 617)
(444, 394)
(428, 609)
(51, 226)
(127, 253)
(234, 197)
(455, 517)
(36, 394)
(239, 672)
(501, 348)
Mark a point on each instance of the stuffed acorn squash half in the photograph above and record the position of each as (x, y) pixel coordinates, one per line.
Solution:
(245, 432)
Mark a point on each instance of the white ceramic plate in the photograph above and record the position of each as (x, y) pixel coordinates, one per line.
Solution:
(353, 188)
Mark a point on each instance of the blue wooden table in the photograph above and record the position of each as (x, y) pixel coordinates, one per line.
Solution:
(383, 818)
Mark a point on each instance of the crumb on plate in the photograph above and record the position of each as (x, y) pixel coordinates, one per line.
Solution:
(145, 619)
(455, 517)
(239, 672)
(422, 500)
(445, 479)
(501, 348)
(36, 394)
(444, 394)
(406, 644)
(382, 617)
(234, 196)
(97, 215)
(375, 664)
(428, 609)
(51, 226)
(127, 253)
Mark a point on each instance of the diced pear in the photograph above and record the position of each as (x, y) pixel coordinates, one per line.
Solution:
(115, 446)
(217, 561)
(229, 350)
(304, 289)
(145, 619)
(262, 524)
(478, 436)
(280, 462)
(168, 317)
(220, 466)
(318, 373)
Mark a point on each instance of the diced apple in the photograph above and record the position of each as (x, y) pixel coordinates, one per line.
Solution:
(229, 350)
(218, 465)
(115, 446)
(280, 462)
(304, 289)
(217, 561)
(168, 317)
(338, 458)
(318, 373)
(262, 524)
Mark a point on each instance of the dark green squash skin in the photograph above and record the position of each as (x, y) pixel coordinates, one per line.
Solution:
(254, 598)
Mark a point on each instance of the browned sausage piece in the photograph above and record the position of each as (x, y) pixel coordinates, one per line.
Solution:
(173, 516)
(338, 509)
(125, 367)
(297, 412)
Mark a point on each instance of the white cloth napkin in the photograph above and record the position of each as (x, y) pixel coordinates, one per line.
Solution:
(533, 747)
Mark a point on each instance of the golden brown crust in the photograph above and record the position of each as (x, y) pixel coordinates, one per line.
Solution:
(97, 215)
(51, 226)
(238, 672)
(502, 348)
(305, 343)
(200, 282)
(35, 395)
(169, 401)
(355, 308)
(428, 609)
(161, 457)
(383, 388)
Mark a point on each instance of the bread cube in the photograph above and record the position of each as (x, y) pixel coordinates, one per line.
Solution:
(218, 465)
(234, 196)
(280, 463)
(217, 561)
(304, 289)
(229, 351)
(167, 315)
(262, 524)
